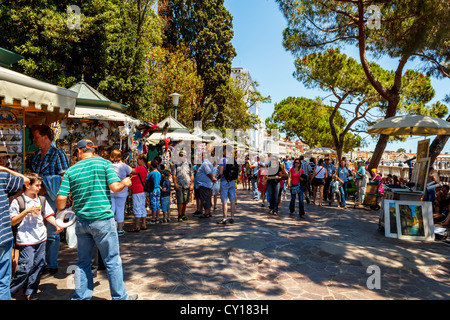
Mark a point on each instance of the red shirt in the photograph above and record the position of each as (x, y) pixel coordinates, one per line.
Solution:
(295, 176)
(137, 186)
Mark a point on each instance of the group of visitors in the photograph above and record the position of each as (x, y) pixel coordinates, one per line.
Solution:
(28, 228)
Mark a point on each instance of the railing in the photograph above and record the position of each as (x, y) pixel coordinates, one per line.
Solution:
(403, 172)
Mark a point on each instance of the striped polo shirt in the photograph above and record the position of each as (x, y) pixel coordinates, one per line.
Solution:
(88, 181)
(8, 184)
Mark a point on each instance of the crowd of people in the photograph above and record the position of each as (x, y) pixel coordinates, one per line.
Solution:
(98, 190)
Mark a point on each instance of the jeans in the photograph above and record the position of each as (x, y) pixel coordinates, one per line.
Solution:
(52, 249)
(255, 191)
(5, 270)
(273, 189)
(343, 191)
(103, 234)
(29, 267)
(300, 199)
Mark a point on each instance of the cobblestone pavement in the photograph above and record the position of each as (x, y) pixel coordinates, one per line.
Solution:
(263, 257)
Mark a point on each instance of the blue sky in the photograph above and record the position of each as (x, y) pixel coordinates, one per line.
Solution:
(258, 27)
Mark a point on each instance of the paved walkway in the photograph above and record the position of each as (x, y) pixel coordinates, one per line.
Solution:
(261, 256)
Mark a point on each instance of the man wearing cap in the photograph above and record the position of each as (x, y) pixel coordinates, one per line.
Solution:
(90, 181)
(48, 161)
(3, 156)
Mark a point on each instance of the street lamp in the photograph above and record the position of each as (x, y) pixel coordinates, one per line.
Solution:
(175, 100)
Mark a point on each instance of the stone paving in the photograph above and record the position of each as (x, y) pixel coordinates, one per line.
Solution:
(263, 257)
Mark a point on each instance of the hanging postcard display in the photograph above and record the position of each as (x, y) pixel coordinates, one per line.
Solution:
(11, 137)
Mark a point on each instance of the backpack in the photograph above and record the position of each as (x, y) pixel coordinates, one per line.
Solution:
(21, 201)
(231, 171)
(149, 185)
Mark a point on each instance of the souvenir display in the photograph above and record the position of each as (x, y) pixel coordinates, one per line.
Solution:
(11, 137)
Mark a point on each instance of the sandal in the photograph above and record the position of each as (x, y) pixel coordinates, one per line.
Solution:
(205, 216)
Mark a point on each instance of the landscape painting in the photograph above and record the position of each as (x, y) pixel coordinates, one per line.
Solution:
(414, 220)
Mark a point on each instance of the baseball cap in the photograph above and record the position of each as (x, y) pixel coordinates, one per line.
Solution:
(85, 143)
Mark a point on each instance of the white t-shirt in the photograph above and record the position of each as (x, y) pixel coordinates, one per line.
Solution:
(122, 171)
(321, 174)
(31, 230)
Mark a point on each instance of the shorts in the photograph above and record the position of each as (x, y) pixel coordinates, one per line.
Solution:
(205, 197)
(196, 193)
(155, 200)
(316, 182)
(139, 205)
(183, 195)
(165, 204)
(227, 191)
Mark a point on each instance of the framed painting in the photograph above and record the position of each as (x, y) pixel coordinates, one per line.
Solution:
(421, 182)
(415, 220)
(423, 147)
(390, 219)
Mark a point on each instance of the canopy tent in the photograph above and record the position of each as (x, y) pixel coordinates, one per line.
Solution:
(179, 135)
(172, 123)
(95, 113)
(321, 150)
(18, 90)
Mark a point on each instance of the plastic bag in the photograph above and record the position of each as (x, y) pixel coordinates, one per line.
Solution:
(71, 237)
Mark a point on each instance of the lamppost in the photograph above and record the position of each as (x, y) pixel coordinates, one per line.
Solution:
(175, 100)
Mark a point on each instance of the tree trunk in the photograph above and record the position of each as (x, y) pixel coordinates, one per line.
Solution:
(437, 145)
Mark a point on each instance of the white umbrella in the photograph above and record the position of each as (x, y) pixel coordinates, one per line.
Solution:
(321, 150)
(411, 125)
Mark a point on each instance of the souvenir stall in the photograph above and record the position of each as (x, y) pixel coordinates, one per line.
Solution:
(98, 119)
(24, 102)
(404, 213)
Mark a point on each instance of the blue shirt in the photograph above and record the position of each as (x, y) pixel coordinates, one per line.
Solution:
(202, 175)
(362, 171)
(330, 169)
(343, 173)
(54, 162)
(156, 176)
(8, 184)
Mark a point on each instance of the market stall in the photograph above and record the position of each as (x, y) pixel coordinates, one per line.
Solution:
(24, 102)
(404, 214)
(97, 118)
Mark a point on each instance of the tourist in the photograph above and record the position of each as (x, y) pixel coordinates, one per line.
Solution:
(342, 172)
(329, 177)
(139, 175)
(262, 183)
(228, 173)
(216, 185)
(335, 186)
(307, 171)
(119, 199)
(89, 182)
(255, 168)
(296, 188)
(49, 160)
(359, 174)
(274, 175)
(11, 182)
(205, 180)
(154, 195)
(31, 236)
(165, 196)
(198, 202)
(317, 181)
(183, 183)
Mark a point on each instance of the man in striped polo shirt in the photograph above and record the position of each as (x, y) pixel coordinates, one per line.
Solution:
(90, 181)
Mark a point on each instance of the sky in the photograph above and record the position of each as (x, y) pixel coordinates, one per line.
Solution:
(258, 34)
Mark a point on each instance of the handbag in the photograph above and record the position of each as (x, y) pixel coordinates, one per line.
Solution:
(295, 189)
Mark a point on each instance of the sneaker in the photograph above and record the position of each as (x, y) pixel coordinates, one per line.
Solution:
(120, 233)
(223, 221)
(185, 218)
(133, 297)
(180, 219)
(231, 220)
(48, 272)
(153, 221)
(197, 213)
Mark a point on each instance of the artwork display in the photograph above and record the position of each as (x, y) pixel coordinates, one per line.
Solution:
(390, 219)
(414, 220)
(424, 165)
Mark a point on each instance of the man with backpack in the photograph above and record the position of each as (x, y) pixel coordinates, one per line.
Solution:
(229, 172)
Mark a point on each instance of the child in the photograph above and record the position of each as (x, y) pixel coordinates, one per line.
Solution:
(165, 196)
(31, 236)
(155, 195)
(334, 186)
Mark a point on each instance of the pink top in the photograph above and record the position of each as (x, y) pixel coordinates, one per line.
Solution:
(295, 176)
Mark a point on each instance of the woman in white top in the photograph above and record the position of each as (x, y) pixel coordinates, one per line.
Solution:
(318, 181)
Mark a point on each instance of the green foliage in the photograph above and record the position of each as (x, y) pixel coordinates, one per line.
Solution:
(308, 120)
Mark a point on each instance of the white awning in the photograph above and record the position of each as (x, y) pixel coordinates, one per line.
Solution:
(45, 96)
(178, 135)
(102, 114)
